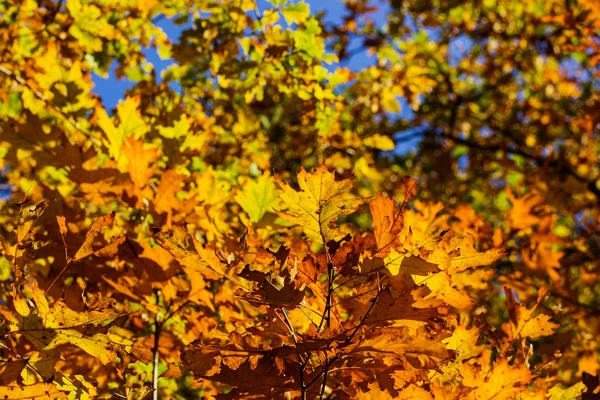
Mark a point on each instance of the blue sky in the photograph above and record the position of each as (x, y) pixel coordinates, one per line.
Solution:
(112, 90)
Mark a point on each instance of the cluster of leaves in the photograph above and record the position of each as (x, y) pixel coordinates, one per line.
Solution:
(163, 248)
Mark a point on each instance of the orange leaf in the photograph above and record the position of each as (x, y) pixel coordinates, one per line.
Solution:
(388, 221)
(522, 323)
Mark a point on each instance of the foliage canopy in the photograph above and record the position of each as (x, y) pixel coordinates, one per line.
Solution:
(243, 224)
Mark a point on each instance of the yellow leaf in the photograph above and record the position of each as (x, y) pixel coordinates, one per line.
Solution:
(39, 391)
(178, 130)
(504, 382)
(170, 184)
(522, 323)
(389, 102)
(442, 289)
(570, 393)
(379, 142)
(409, 265)
(296, 13)
(469, 257)
(47, 327)
(43, 364)
(139, 157)
(319, 203)
(130, 118)
(131, 124)
(258, 197)
(464, 342)
(413, 392)
(204, 260)
(78, 386)
(90, 26)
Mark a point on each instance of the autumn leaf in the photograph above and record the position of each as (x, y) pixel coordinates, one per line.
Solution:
(388, 221)
(39, 391)
(296, 13)
(139, 158)
(169, 185)
(131, 124)
(522, 322)
(469, 257)
(441, 288)
(49, 326)
(185, 282)
(464, 343)
(503, 382)
(410, 265)
(522, 215)
(319, 203)
(258, 197)
(204, 260)
(86, 248)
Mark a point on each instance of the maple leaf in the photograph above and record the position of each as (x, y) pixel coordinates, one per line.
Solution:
(48, 326)
(139, 157)
(257, 197)
(86, 248)
(522, 323)
(388, 221)
(468, 256)
(464, 343)
(170, 183)
(319, 203)
(442, 288)
(503, 382)
(131, 124)
(397, 262)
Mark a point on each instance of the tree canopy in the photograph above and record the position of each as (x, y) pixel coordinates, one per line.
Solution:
(248, 223)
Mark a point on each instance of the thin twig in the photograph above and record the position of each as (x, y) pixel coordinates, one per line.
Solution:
(155, 354)
(326, 372)
(348, 340)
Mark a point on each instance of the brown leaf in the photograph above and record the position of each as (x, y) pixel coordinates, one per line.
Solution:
(86, 248)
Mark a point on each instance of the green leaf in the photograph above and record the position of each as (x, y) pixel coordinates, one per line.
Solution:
(258, 197)
(296, 13)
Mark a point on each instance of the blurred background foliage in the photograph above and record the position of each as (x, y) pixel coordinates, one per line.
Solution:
(491, 105)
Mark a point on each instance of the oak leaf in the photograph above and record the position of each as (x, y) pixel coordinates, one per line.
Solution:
(48, 326)
(318, 204)
(522, 323)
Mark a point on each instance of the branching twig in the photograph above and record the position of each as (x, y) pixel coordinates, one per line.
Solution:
(349, 339)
